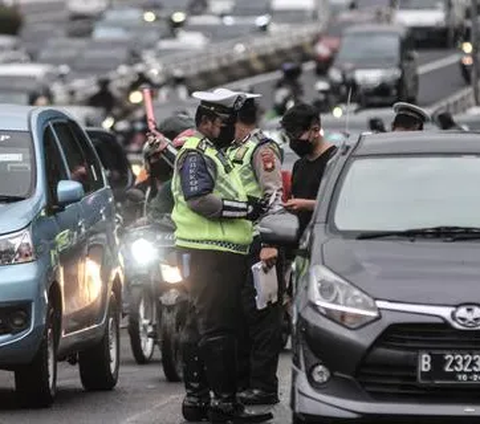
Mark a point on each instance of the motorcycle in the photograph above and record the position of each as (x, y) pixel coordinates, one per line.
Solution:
(285, 97)
(158, 299)
(466, 62)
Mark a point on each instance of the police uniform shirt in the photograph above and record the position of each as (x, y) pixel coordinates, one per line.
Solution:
(266, 165)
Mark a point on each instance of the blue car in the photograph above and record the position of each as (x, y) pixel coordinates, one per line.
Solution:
(60, 276)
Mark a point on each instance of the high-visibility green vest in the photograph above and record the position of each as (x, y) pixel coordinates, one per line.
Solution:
(197, 232)
(242, 157)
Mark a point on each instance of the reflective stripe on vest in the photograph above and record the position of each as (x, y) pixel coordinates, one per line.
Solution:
(197, 232)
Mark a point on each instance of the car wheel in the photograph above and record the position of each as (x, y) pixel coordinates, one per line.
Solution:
(99, 365)
(36, 383)
(140, 325)
(173, 322)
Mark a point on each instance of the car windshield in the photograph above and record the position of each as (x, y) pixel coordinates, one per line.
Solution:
(17, 170)
(420, 4)
(371, 45)
(400, 193)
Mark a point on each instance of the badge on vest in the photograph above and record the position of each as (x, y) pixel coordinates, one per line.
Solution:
(240, 154)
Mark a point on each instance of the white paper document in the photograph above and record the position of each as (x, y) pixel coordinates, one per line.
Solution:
(266, 285)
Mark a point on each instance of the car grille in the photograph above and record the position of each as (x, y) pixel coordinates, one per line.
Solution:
(389, 371)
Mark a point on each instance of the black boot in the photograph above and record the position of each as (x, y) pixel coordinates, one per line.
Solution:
(196, 404)
(219, 354)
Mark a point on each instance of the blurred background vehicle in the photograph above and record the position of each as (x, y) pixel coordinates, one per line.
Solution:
(81, 9)
(377, 63)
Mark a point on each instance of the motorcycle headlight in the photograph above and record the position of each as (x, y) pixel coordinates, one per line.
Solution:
(108, 123)
(135, 97)
(149, 16)
(339, 300)
(335, 75)
(143, 251)
(467, 48)
(171, 274)
(16, 248)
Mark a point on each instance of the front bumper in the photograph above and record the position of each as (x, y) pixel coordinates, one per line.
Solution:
(381, 93)
(22, 286)
(374, 377)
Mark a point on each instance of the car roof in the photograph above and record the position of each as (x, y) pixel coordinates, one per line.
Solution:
(418, 142)
(397, 29)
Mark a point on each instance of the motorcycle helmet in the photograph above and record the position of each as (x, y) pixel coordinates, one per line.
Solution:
(148, 152)
(291, 70)
(172, 126)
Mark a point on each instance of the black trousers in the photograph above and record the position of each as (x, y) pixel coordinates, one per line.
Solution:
(215, 281)
(261, 332)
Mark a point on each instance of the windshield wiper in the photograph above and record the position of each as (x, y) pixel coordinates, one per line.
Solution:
(6, 198)
(453, 232)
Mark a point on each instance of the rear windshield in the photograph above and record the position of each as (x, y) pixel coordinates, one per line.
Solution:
(17, 166)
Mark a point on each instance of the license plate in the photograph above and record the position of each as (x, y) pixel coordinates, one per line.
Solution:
(449, 367)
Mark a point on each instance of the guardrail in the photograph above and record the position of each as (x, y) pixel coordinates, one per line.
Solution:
(456, 103)
(248, 56)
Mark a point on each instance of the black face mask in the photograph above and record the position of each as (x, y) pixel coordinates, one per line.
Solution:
(160, 170)
(301, 147)
(226, 136)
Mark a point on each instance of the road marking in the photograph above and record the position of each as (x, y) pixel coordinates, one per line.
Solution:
(438, 64)
(146, 414)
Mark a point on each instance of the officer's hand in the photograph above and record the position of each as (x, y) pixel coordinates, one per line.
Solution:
(269, 256)
(256, 208)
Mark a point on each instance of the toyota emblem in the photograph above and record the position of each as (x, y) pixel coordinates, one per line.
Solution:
(467, 316)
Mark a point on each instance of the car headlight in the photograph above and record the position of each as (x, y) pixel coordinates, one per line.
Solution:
(339, 300)
(171, 274)
(143, 251)
(149, 16)
(335, 75)
(16, 248)
(467, 48)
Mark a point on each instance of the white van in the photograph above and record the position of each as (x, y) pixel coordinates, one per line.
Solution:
(298, 11)
(441, 21)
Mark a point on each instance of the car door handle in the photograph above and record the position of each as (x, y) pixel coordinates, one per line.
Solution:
(81, 226)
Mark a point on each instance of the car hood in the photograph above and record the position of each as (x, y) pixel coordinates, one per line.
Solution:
(16, 216)
(425, 272)
(420, 18)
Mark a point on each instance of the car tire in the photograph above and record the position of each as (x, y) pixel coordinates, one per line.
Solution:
(36, 383)
(142, 346)
(99, 365)
(172, 324)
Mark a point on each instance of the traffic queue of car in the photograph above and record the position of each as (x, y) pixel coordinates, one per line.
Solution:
(385, 321)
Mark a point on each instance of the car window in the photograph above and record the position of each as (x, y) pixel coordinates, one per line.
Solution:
(92, 159)
(17, 164)
(76, 160)
(399, 193)
(56, 170)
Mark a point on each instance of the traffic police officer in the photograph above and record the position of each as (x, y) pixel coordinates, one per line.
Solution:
(213, 215)
(409, 117)
(258, 160)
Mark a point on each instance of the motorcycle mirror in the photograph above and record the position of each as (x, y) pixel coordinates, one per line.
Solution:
(135, 195)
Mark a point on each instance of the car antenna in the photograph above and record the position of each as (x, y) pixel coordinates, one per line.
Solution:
(343, 146)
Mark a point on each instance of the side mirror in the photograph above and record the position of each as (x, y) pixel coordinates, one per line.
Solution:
(69, 192)
(280, 229)
(135, 195)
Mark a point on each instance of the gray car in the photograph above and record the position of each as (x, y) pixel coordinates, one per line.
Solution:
(387, 312)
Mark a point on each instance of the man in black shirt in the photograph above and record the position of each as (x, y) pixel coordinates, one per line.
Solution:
(303, 127)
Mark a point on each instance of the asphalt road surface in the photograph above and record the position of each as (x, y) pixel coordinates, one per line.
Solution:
(142, 396)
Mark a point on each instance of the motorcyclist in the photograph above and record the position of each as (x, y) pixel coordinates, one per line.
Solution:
(288, 88)
(104, 97)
